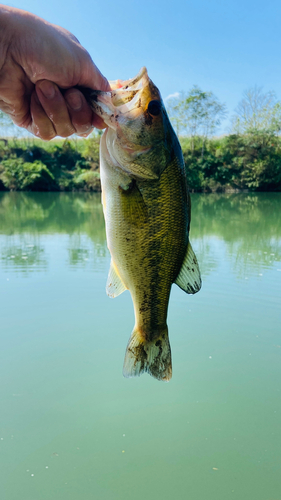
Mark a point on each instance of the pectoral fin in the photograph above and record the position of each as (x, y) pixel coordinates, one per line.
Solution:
(114, 285)
(189, 278)
(133, 205)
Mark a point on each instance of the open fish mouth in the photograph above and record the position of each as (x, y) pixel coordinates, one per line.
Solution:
(131, 82)
(126, 101)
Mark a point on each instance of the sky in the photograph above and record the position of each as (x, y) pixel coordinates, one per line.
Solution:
(221, 46)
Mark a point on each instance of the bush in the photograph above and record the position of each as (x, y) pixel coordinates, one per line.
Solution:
(91, 151)
(16, 174)
(251, 161)
(88, 180)
(194, 174)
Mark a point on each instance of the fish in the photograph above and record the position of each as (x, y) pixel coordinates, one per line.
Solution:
(147, 212)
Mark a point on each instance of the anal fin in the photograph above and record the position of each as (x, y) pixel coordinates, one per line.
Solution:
(189, 278)
(114, 284)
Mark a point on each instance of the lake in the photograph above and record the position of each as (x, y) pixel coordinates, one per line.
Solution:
(71, 426)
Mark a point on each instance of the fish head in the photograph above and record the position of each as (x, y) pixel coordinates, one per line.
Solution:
(139, 134)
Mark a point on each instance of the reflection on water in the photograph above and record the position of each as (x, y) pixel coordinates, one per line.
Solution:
(82, 251)
(26, 219)
(71, 426)
(50, 213)
(19, 253)
(244, 228)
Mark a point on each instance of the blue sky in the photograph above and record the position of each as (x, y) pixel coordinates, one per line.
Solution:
(223, 46)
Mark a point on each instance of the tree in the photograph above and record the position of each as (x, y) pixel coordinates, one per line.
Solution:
(257, 111)
(196, 113)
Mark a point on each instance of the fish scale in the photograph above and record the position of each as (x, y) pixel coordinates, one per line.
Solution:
(147, 214)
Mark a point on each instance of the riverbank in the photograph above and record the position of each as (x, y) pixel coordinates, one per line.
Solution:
(234, 163)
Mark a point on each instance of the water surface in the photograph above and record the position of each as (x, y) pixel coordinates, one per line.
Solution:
(71, 426)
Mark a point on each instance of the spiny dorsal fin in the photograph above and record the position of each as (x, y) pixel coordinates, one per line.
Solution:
(114, 284)
(189, 278)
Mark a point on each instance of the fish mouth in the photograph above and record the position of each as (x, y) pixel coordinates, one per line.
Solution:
(129, 87)
(127, 99)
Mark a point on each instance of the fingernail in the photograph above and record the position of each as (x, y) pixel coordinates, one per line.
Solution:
(48, 89)
(74, 100)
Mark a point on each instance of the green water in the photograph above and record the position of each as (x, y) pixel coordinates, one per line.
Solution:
(71, 426)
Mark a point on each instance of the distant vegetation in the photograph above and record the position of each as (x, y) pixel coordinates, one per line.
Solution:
(250, 161)
(28, 164)
(249, 158)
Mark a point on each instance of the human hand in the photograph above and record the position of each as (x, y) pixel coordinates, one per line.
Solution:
(37, 60)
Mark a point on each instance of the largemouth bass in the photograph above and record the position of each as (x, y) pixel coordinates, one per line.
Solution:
(147, 214)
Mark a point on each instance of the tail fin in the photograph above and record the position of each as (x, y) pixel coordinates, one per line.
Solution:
(151, 357)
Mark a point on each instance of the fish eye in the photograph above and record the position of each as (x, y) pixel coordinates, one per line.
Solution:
(154, 108)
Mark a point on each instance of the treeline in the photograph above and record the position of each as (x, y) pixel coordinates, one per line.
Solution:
(29, 164)
(248, 158)
(235, 162)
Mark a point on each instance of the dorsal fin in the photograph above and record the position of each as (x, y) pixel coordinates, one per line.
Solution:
(189, 278)
(114, 284)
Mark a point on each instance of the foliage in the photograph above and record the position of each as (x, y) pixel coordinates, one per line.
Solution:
(16, 174)
(257, 111)
(91, 150)
(65, 165)
(251, 161)
(88, 180)
(196, 113)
